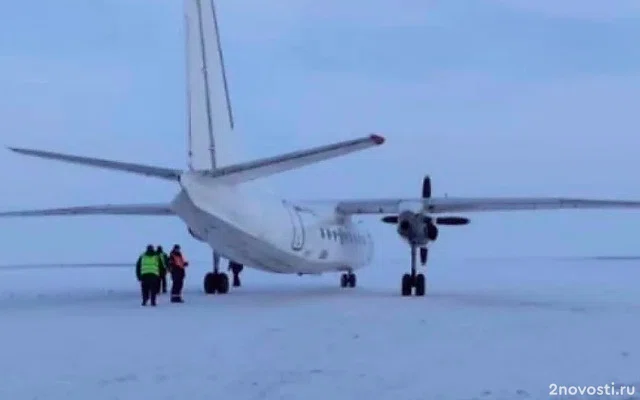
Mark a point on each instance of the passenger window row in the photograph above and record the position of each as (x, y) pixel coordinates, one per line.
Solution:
(342, 236)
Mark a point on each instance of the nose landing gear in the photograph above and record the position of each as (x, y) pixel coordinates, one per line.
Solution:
(415, 280)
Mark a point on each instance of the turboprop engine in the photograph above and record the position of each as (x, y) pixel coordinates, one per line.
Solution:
(419, 228)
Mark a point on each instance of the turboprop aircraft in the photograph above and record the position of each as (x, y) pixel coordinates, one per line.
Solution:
(257, 229)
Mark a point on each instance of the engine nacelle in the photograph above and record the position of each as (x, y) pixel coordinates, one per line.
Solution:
(431, 231)
(416, 228)
(195, 235)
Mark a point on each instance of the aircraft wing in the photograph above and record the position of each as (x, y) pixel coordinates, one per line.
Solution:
(436, 205)
(107, 209)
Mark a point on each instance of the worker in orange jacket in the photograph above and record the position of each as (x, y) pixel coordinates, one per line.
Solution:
(177, 266)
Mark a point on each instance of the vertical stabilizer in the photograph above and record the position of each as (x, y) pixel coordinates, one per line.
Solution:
(210, 119)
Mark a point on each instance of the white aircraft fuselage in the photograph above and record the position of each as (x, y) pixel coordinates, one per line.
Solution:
(265, 232)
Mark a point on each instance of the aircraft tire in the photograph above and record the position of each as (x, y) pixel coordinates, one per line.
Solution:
(351, 280)
(420, 285)
(210, 285)
(344, 280)
(407, 285)
(222, 283)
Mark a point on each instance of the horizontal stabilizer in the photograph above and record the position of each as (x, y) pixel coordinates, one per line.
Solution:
(248, 171)
(108, 209)
(436, 205)
(140, 169)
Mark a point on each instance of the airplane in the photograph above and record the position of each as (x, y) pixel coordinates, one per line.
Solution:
(259, 229)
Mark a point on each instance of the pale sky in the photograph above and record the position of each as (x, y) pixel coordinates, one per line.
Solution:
(492, 98)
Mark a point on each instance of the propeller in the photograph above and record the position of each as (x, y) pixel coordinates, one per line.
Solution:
(426, 194)
(426, 187)
(452, 220)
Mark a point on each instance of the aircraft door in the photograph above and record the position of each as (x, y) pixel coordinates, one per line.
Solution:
(297, 241)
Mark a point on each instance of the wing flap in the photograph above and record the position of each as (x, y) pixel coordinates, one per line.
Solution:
(107, 209)
(437, 205)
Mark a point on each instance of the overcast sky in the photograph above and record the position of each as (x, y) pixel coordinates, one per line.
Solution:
(491, 98)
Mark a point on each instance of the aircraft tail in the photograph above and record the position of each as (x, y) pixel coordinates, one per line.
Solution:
(210, 123)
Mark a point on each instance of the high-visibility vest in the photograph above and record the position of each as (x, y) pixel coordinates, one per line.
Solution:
(150, 264)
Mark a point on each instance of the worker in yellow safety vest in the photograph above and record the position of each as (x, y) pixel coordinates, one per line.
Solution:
(148, 273)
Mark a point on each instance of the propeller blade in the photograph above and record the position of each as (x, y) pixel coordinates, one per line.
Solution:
(390, 219)
(452, 221)
(426, 187)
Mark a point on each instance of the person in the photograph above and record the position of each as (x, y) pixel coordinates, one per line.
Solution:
(235, 268)
(148, 274)
(163, 269)
(177, 265)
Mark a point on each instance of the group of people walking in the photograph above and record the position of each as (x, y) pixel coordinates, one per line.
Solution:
(152, 269)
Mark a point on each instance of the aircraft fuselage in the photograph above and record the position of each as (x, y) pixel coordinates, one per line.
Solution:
(267, 233)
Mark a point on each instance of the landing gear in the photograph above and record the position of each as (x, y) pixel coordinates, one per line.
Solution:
(236, 268)
(216, 281)
(415, 280)
(348, 280)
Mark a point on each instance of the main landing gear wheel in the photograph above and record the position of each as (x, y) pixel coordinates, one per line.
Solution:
(348, 280)
(418, 282)
(216, 282)
(415, 280)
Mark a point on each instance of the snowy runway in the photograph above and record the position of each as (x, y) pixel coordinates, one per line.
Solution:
(487, 330)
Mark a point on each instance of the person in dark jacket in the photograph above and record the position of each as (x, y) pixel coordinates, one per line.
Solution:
(177, 265)
(148, 274)
(163, 269)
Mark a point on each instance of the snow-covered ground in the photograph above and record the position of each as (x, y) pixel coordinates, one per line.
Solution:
(488, 330)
